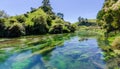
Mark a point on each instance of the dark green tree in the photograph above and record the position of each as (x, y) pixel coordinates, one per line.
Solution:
(46, 6)
(2, 27)
(61, 15)
(33, 9)
(46, 3)
(40, 25)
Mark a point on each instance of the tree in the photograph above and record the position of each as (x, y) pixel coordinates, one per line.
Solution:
(2, 27)
(40, 25)
(46, 3)
(3, 14)
(82, 21)
(46, 6)
(108, 18)
(61, 15)
(86, 20)
(79, 19)
(33, 9)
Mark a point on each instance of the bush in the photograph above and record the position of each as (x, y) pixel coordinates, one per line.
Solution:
(62, 28)
(2, 27)
(20, 19)
(29, 30)
(12, 21)
(72, 28)
(116, 43)
(59, 21)
(56, 29)
(16, 30)
(66, 29)
(26, 15)
(40, 25)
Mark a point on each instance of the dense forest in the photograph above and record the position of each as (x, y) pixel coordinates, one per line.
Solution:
(38, 21)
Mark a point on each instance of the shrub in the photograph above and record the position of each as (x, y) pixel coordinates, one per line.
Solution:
(2, 27)
(66, 29)
(72, 28)
(20, 19)
(116, 43)
(12, 21)
(56, 29)
(40, 25)
(59, 21)
(26, 15)
(16, 30)
(29, 29)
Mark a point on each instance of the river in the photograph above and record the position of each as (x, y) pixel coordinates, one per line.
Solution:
(71, 52)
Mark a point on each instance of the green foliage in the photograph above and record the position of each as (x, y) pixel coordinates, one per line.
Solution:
(40, 25)
(60, 15)
(108, 17)
(33, 9)
(56, 29)
(20, 19)
(16, 30)
(46, 7)
(66, 29)
(72, 28)
(100, 17)
(85, 22)
(2, 27)
(49, 20)
(100, 14)
(116, 43)
(62, 28)
(38, 21)
(33, 15)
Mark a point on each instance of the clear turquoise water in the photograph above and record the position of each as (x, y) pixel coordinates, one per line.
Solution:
(74, 54)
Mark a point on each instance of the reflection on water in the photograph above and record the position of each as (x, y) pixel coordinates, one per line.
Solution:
(76, 53)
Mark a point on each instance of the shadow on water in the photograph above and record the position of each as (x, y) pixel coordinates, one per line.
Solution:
(63, 51)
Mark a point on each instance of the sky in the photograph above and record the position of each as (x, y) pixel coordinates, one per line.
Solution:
(71, 9)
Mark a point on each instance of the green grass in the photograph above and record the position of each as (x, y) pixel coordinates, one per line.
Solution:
(90, 31)
(92, 20)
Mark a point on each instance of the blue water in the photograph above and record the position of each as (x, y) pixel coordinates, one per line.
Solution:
(74, 54)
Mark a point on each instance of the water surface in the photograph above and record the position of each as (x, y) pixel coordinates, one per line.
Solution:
(75, 53)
